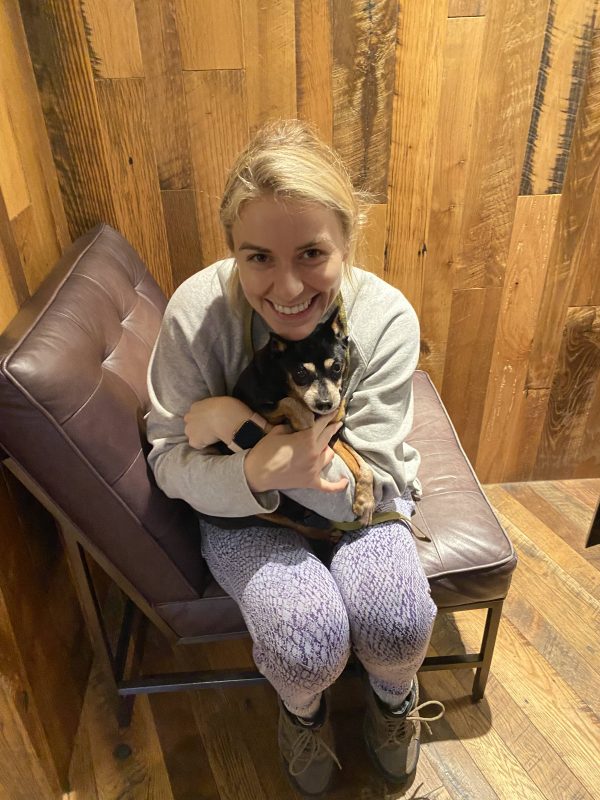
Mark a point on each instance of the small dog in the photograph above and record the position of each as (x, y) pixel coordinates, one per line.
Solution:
(295, 381)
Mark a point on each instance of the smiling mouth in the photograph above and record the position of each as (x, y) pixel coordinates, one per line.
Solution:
(291, 310)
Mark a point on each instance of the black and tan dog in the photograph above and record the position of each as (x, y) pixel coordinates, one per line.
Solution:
(296, 381)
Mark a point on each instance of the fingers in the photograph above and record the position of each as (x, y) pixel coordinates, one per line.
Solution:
(328, 456)
(325, 435)
(322, 421)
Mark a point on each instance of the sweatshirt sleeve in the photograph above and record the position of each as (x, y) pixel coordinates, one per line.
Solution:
(211, 483)
(379, 416)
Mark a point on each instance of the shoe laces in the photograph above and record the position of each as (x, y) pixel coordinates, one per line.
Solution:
(308, 746)
(397, 730)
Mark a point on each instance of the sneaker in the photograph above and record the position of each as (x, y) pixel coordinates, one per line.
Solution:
(307, 750)
(393, 737)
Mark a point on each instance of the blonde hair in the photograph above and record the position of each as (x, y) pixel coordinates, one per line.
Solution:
(287, 160)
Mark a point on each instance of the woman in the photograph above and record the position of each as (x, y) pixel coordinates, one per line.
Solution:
(291, 218)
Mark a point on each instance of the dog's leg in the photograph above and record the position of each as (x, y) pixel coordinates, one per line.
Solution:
(329, 534)
(364, 499)
(299, 416)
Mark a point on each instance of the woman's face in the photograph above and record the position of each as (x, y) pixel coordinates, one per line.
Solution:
(289, 255)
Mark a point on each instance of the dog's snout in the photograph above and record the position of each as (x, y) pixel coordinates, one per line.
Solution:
(324, 406)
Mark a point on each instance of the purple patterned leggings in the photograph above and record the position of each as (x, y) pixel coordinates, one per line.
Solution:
(304, 618)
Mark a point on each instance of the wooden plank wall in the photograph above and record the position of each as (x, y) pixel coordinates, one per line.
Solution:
(44, 651)
(473, 125)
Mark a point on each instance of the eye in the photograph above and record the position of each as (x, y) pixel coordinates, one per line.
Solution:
(258, 258)
(336, 369)
(301, 375)
(312, 254)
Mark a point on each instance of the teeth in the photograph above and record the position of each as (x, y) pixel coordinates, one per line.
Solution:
(291, 309)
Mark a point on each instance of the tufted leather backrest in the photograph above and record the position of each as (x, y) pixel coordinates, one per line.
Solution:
(72, 403)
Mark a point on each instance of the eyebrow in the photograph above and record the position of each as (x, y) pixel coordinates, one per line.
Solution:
(314, 243)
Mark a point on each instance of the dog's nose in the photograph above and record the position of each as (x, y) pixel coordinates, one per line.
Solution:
(323, 406)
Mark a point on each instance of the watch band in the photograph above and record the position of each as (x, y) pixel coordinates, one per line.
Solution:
(255, 420)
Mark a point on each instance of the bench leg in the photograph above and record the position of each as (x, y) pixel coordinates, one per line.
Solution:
(487, 648)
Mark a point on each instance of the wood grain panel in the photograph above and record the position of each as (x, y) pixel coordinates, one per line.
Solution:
(167, 113)
(417, 87)
(12, 178)
(9, 304)
(507, 777)
(25, 629)
(507, 79)
(370, 253)
(126, 762)
(181, 744)
(520, 462)
(22, 777)
(552, 643)
(556, 507)
(502, 425)
(218, 131)
(60, 58)
(462, 54)
(565, 56)
(112, 37)
(586, 283)
(572, 395)
(82, 781)
(473, 321)
(587, 457)
(514, 503)
(269, 60)
(31, 139)
(576, 202)
(219, 723)
(211, 34)
(135, 189)
(30, 245)
(16, 291)
(532, 750)
(467, 8)
(314, 65)
(511, 51)
(181, 224)
(517, 664)
(48, 626)
(363, 85)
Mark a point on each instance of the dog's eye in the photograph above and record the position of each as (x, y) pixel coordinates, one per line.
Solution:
(301, 375)
(336, 369)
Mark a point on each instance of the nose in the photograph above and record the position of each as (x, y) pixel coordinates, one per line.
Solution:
(323, 406)
(288, 283)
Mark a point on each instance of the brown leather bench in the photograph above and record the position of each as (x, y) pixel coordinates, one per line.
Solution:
(72, 402)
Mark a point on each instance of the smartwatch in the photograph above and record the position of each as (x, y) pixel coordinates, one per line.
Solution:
(248, 434)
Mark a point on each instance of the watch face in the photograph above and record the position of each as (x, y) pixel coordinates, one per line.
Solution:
(248, 435)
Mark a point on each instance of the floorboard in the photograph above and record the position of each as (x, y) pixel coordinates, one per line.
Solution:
(534, 736)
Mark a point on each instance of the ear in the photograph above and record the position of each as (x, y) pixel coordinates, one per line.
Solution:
(277, 345)
(333, 321)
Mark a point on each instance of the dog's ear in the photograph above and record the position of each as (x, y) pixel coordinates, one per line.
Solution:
(277, 345)
(334, 322)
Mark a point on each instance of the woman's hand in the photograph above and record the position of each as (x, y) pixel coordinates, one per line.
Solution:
(288, 460)
(214, 419)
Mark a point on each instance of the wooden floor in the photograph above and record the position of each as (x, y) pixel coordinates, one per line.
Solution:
(535, 734)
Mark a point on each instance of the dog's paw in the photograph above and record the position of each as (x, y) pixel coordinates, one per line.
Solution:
(364, 505)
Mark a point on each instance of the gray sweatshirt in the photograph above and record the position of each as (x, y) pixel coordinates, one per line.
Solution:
(200, 353)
